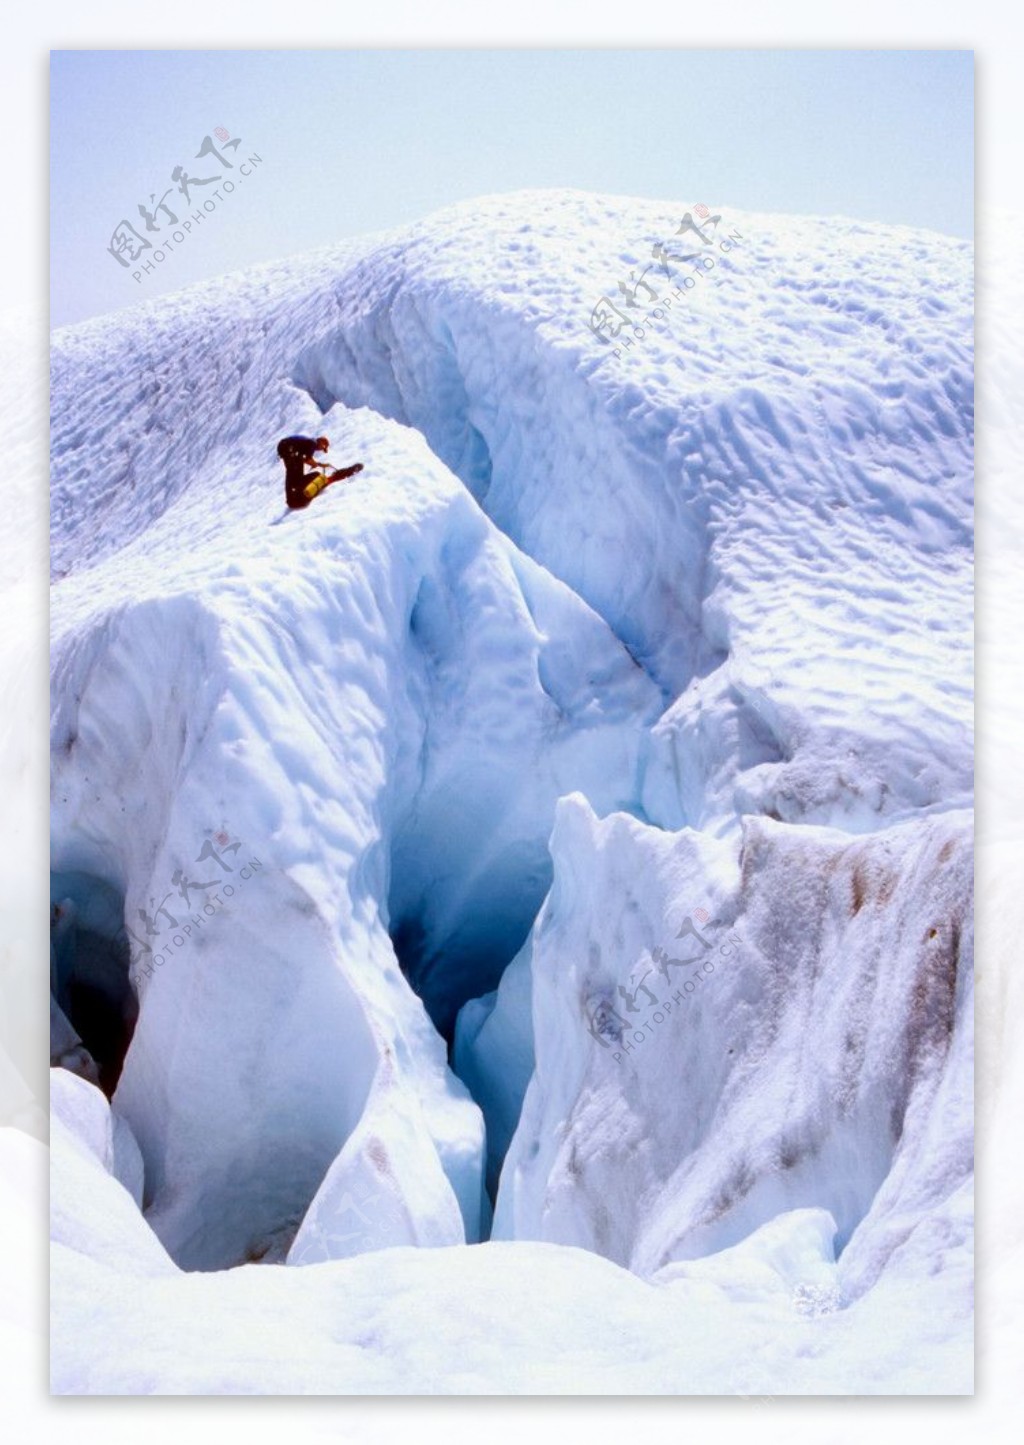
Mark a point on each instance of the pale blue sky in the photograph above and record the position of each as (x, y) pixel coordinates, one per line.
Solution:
(357, 141)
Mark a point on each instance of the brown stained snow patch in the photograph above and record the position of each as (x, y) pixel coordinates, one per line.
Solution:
(378, 1156)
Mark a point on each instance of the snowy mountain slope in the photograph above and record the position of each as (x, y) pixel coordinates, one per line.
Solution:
(148, 404)
(724, 572)
(768, 495)
(777, 476)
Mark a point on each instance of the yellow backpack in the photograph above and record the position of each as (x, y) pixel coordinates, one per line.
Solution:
(315, 486)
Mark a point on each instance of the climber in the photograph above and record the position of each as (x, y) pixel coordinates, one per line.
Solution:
(301, 486)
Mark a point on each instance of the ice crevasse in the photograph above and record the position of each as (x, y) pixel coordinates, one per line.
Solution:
(591, 776)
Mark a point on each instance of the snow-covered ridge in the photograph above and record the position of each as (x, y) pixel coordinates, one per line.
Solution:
(720, 574)
(777, 477)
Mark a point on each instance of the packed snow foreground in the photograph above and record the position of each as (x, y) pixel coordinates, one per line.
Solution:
(520, 909)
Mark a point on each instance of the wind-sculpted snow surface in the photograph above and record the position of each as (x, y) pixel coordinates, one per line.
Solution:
(695, 596)
(767, 495)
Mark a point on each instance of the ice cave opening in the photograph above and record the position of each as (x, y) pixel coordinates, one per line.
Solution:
(466, 963)
(94, 1007)
(454, 942)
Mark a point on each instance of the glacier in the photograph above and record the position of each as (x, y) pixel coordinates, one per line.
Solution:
(537, 879)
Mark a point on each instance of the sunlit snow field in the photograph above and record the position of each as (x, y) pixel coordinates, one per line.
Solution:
(592, 1006)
